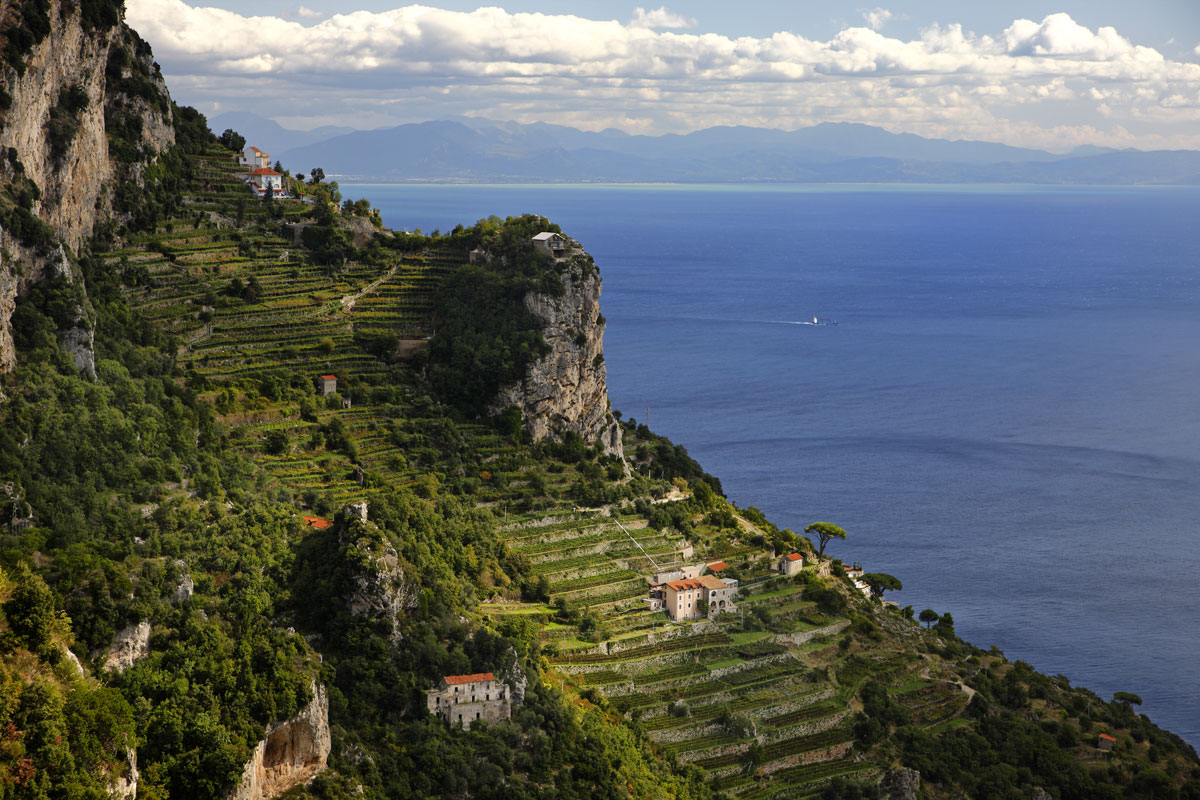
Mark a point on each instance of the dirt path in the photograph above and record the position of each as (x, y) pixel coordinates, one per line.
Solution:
(349, 300)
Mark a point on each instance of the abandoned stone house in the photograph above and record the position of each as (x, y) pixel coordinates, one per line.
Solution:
(327, 384)
(695, 598)
(467, 699)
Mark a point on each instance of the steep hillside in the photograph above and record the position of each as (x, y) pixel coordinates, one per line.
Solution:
(325, 475)
(84, 113)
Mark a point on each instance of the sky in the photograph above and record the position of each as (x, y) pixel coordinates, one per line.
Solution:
(1053, 74)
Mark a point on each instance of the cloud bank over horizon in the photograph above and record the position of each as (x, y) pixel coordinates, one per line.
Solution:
(1051, 83)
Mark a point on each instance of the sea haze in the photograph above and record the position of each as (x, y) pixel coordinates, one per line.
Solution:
(1006, 416)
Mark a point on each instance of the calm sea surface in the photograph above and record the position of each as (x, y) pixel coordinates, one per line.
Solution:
(1007, 416)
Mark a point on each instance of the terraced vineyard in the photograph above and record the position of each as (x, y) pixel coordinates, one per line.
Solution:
(254, 316)
(761, 699)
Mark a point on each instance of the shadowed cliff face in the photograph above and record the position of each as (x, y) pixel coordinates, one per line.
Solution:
(567, 390)
(77, 84)
(293, 753)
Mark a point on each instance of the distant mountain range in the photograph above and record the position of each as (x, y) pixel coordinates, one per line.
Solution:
(482, 151)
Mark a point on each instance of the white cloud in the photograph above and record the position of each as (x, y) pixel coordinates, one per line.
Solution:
(659, 18)
(419, 62)
(304, 12)
(876, 18)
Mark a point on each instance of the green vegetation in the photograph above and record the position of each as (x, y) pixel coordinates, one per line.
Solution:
(173, 490)
(825, 532)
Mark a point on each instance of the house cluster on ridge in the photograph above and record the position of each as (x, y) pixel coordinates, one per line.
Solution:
(686, 594)
(467, 699)
(259, 176)
(855, 573)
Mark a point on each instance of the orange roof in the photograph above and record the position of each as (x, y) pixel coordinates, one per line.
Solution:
(1106, 737)
(329, 377)
(706, 581)
(718, 566)
(478, 677)
(255, 149)
(318, 523)
(794, 557)
(689, 583)
(264, 171)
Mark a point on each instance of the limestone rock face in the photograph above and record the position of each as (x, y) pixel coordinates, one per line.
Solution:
(294, 752)
(130, 646)
(515, 677)
(900, 784)
(75, 188)
(186, 586)
(80, 344)
(382, 587)
(567, 390)
(10, 285)
(124, 786)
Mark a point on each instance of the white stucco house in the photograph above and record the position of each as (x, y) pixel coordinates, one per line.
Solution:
(254, 158)
(266, 178)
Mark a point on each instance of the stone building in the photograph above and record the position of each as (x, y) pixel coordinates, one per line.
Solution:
(327, 384)
(695, 598)
(791, 564)
(552, 244)
(467, 699)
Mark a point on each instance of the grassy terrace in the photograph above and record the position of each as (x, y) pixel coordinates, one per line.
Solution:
(256, 319)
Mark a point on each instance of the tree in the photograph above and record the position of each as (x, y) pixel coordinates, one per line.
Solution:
(928, 616)
(30, 611)
(233, 140)
(824, 532)
(1127, 699)
(881, 582)
(276, 442)
(317, 174)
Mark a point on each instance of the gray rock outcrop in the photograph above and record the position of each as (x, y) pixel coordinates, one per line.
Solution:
(125, 785)
(514, 676)
(130, 646)
(567, 390)
(382, 588)
(186, 587)
(900, 784)
(292, 753)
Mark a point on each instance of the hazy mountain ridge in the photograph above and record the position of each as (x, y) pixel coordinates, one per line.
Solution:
(471, 150)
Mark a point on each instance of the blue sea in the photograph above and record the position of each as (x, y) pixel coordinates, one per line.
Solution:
(1006, 417)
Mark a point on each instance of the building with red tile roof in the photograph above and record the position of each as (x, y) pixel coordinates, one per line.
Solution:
(790, 564)
(694, 598)
(468, 699)
(318, 523)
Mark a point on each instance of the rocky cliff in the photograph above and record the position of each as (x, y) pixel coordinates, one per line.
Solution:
(382, 585)
(567, 390)
(292, 753)
(86, 85)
